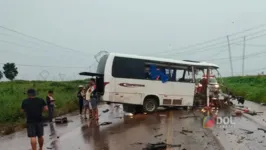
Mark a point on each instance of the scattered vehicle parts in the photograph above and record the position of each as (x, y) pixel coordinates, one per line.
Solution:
(247, 131)
(262, 129)
(238, 113)
(183, 133)
(105, 123)
(160, 146)
(61, 120)
(263, 104)
(156, 129)
(187, 131)
(187, 117)
(137, 143)
(158, 135)
(105, 111)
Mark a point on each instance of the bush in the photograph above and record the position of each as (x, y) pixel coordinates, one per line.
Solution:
(251, 87)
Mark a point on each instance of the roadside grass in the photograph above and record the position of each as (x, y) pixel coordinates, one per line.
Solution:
(253, 88)
(13, 93)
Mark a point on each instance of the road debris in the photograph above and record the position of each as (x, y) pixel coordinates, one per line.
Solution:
(240, 140)
(248, 111)
(240, 106)
(253, 113)
(156, 129)
(188, 117)
(187, 131)
(61, 120)
(238, 113)
(117, 106)
(247, 131)
(262, 129)
(183, 133)
(160, 146)
(105, 111)
(240, 100)
(105, 123)
(137, 143)
(158, 135)
(263, 104)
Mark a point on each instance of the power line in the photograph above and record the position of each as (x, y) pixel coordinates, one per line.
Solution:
(28, 47)
(215, 39)
(21, 38)
(13, 43)
(239, 57)
(253, 70)
(27, 65)
(225, 42)
(252, 45)
(208, 48)
(47, 42)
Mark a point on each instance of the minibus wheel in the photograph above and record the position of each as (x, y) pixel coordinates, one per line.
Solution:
(150, 104)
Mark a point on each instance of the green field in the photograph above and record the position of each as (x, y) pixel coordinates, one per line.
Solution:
(253, 88)
(12, 94)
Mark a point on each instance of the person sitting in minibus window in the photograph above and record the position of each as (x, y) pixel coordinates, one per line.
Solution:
(147, 73)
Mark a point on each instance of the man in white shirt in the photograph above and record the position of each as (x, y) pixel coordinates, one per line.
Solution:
(87, 101)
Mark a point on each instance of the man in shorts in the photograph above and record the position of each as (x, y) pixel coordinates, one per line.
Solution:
(33, 107)
(94, 100)
(87, 102)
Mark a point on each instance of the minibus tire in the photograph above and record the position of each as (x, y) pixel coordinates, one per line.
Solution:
(147, 101)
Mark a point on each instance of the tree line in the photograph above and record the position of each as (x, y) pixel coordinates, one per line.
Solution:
(10, 71)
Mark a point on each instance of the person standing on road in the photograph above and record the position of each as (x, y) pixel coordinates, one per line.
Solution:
(51, 105)
(80, 96)
(87, 102)
(94, 100)
(33, 107)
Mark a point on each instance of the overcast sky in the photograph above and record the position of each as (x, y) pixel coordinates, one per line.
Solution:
(144, 27)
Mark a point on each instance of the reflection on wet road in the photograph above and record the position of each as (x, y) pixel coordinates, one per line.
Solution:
(135, 132)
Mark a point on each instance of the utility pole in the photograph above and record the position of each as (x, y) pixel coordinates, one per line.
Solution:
(243, 61)
(230, 56)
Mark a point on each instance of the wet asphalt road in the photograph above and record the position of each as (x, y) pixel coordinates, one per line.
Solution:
(134, 132)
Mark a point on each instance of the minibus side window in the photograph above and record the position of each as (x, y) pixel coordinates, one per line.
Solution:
(162, 68)
(128, 68)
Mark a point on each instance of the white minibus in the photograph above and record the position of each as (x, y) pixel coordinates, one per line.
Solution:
(142, 84)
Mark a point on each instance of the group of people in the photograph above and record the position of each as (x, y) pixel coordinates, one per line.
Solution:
(88, 100)
(34, 106)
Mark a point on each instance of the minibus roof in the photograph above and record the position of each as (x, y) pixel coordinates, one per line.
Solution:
(182, 62)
